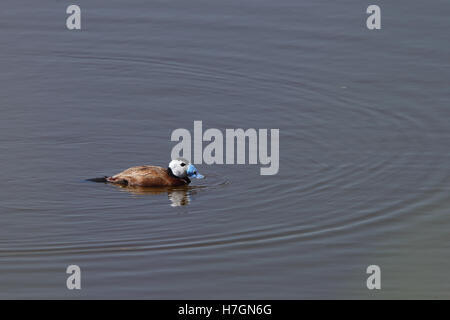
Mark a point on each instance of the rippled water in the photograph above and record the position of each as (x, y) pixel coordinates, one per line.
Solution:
(364, 159)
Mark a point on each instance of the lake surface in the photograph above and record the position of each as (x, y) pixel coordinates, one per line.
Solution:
(364, 173)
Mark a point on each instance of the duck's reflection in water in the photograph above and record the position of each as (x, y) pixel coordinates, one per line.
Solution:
(179, 196)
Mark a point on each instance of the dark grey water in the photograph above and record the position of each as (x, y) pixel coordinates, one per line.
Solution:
(364, 149)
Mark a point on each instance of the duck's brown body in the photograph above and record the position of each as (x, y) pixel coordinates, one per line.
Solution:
(148, 176)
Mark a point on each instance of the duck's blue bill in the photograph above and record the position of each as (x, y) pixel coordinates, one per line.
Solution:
(192, 172)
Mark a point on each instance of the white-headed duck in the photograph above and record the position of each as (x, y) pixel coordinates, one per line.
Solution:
(178, 173)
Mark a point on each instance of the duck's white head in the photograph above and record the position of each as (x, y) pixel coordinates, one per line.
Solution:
(181, 168)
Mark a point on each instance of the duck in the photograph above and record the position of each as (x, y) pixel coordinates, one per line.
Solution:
(179, 173)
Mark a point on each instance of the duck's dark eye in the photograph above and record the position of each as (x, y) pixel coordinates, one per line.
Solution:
(182, 164)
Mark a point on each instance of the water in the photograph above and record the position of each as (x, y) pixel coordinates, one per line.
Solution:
(364, 161)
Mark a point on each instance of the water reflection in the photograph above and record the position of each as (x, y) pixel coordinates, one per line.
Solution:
(179, 196)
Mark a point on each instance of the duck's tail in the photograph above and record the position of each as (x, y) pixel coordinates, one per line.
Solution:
(102, 180)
